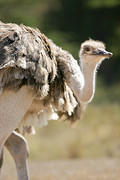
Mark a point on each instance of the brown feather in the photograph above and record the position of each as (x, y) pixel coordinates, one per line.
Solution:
(28, 57)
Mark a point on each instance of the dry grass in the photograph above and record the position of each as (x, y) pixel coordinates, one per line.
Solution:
(104, 169)
(97, 135)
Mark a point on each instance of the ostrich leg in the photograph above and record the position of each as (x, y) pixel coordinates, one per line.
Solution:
(13, 106)
(17, 146)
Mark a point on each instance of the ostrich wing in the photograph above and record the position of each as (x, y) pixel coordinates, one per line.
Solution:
(25, 58)
(35, 56)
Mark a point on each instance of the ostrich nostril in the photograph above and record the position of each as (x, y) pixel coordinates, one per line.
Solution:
(23, 55)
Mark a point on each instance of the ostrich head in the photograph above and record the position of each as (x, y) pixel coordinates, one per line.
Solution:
(93, 52)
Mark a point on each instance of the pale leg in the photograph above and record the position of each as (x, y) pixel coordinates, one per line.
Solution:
(17, 146)
(13, 107)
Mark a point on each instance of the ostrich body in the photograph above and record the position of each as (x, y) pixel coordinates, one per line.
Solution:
(40, 81)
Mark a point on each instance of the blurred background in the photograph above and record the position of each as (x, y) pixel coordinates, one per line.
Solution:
(68, 23)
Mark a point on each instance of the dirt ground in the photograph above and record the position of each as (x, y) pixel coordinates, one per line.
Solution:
(102, 169)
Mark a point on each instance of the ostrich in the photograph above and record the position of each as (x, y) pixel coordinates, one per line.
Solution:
(39, 82)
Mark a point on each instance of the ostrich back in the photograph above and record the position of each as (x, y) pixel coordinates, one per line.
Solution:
(28, 57)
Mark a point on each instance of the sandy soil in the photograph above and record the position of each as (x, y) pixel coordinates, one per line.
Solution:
(103, 169)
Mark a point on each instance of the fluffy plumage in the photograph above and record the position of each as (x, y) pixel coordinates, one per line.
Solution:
(28, 57)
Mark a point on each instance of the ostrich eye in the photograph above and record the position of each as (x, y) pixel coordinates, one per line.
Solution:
(87, 49)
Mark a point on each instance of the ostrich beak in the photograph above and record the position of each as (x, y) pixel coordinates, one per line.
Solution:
(102, 52)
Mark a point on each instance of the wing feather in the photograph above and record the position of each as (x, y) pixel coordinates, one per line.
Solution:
(25, 56)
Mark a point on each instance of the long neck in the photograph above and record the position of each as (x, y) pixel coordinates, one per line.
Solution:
(81, 81)
(88, 90)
